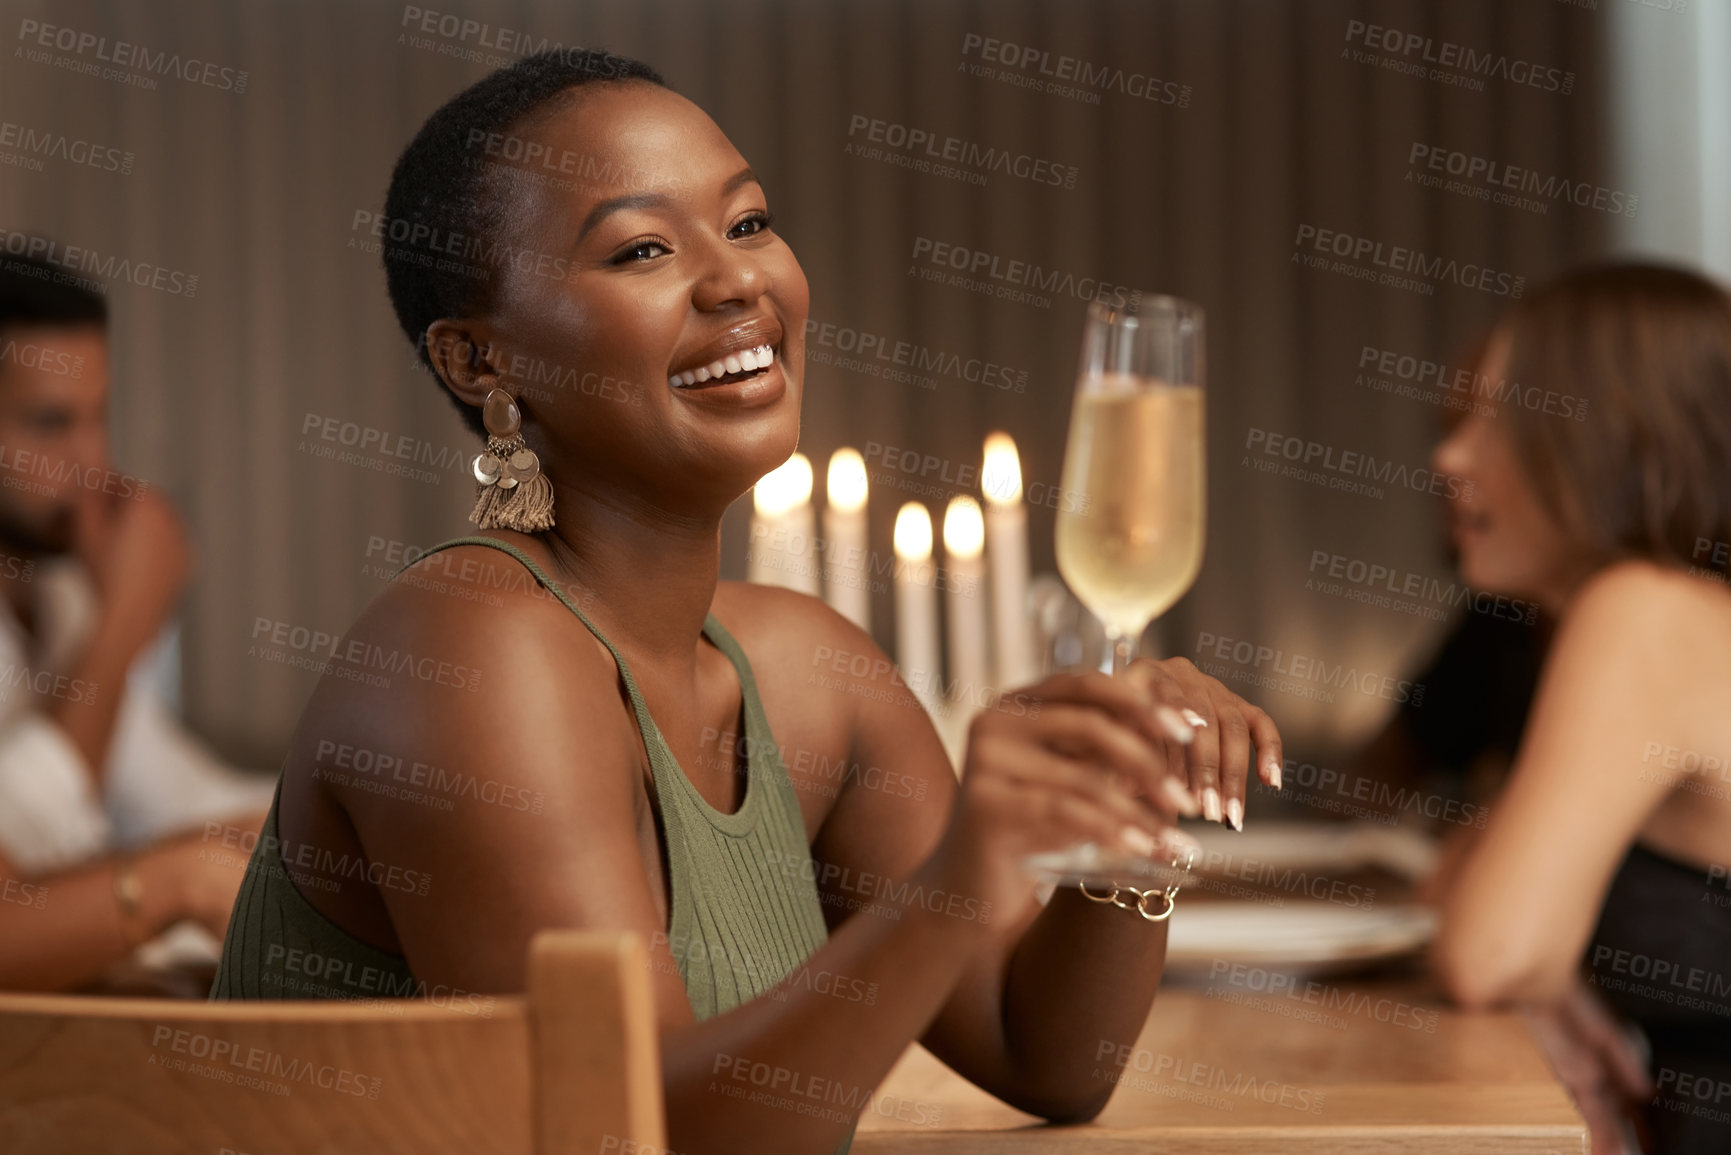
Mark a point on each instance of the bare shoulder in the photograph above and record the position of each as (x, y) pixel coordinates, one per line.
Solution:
(474, 619)
(830, 692)
(463, 662)
(795, 631)
(481, 747)
(862, 752)
(1641, 651)
(811, 656)
(1639, 610)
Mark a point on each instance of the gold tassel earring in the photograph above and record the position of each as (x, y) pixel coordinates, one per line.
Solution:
(511, 492)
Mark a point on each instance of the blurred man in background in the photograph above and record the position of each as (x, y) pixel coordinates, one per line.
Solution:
(94, 768)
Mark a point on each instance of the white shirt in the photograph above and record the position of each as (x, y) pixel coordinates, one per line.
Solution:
(159, 780)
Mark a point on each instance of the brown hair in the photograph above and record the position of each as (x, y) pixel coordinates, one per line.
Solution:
(1645, 469)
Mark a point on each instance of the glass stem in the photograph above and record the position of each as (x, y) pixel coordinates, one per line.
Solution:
(1123, 650)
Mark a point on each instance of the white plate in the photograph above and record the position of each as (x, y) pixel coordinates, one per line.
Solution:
(1293, 932)
(1307, 936)
(1331, 848)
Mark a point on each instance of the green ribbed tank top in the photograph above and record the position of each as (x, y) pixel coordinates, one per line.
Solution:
(745, 907)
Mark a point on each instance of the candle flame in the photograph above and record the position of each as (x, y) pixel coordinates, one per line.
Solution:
(1001, 475)
(964, 528)
(847, 481)
(783, 488)
(913, 532)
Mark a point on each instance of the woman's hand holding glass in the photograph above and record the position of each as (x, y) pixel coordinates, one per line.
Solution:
(1227, 736)
(1092, 758)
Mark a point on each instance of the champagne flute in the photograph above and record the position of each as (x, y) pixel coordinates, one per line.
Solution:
(1130, 532)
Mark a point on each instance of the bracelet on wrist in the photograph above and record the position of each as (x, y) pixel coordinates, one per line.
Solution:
(1130, 898)
(129, 899)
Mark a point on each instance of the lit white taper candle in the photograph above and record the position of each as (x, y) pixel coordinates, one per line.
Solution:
(780, 552)
(916, 603)
(964, 539)
(1007, 549)
(847, 573)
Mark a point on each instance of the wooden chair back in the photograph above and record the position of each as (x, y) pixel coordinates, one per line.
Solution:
(570, 1068)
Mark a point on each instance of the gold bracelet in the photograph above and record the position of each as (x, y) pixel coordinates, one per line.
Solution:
(128, 898)
(1169, 896)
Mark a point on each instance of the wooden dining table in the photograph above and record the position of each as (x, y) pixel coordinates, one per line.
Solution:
(1315, 1069)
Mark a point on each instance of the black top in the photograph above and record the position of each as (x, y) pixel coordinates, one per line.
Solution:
(1661, 955)
(1478, 690)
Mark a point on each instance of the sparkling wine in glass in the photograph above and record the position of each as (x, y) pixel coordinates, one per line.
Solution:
(1130, 531)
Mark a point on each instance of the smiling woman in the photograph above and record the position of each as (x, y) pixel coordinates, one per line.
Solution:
(674, 755)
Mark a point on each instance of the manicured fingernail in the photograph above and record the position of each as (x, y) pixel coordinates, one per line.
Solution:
(1175, 726)
(1274, 774)
(1211, 804)
(1137, 841)
(1235, 814)
(1181, 799)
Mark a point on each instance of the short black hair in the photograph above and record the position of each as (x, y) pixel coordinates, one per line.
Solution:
(36, 291)
(440, 211)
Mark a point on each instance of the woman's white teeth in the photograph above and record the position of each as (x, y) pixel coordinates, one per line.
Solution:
(745, 361)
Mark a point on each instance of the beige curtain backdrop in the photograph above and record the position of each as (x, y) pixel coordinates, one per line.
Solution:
(221, 395)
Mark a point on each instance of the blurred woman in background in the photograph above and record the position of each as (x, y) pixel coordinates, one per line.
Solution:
(1603, 865)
